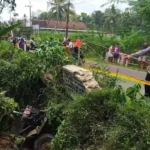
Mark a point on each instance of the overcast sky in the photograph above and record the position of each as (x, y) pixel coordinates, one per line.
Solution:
(87, 6)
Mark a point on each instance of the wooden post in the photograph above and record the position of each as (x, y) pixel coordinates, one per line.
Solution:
(106, 56)
(122, 59)
(67, 23)
(79, 56)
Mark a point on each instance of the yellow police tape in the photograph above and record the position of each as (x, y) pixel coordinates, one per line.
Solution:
(121, 76)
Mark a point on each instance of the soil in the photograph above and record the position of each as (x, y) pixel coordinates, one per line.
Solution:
(5, 142)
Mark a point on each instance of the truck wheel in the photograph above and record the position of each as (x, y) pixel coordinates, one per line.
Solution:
(42, 142)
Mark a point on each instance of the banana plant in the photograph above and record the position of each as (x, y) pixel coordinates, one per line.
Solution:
(5, 30)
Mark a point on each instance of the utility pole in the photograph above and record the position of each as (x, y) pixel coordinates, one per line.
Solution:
(29, 6)
(10, 16)
(57, 17)
(57, 13)
(47, 9)
(67, 22)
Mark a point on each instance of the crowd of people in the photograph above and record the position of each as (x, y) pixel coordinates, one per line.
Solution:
(74, 48)
(24, 44)
(113, 55)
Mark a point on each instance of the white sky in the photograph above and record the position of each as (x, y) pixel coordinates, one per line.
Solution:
(87, 6)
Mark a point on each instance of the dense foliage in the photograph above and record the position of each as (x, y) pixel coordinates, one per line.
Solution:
(96, 45)
(105, 119)
(7, 105)
(7, 3)
(22, 74)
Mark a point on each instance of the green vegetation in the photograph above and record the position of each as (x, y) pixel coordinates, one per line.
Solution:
(101, 119)
(112, 20)
(106, 119)
(21, 73)
(109, 118)
(7, 105)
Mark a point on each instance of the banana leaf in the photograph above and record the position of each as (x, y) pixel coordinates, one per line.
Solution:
(6, 30)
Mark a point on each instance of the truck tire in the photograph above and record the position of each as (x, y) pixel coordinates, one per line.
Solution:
(42, 141)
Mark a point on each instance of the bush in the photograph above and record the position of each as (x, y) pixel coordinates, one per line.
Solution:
(7, 51)
(22, 73)
(7, 105)
(98, 45)
(104, 120)
(87, 117)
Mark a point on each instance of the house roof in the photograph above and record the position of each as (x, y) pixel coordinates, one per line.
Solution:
(59, 24)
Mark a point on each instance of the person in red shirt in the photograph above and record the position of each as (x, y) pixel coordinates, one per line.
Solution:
(79, 42)
(77, 47)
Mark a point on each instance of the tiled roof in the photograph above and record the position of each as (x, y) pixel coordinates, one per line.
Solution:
(59, 24)
(41, 23)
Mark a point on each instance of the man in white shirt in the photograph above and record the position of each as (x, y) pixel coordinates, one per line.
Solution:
(70, 45)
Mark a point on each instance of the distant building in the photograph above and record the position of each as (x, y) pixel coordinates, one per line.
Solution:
(59, 25)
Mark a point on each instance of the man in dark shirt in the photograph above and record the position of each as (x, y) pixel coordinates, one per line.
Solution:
(142, 59)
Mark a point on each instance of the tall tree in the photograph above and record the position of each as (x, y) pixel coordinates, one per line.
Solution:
(142, 8)
(129, 20)
(142, 11)
(46, 15)
(60, 8)
(98, 19)
(112, 18)
(36, 14)
(7, 3)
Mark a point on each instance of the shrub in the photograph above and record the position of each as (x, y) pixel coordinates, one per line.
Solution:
(7, 51)
(87, 117)
(7, 105)
(104, 120)
(22, 73)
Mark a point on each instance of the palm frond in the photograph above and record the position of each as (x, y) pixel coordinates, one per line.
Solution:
(8, 29)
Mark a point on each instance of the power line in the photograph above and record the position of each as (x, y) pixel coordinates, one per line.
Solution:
(67, 23)
(83, 2)
(38, 1)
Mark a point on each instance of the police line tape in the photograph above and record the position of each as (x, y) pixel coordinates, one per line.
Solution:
(121, 76)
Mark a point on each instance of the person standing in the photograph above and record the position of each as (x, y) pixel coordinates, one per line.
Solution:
(66, 42)
(78, 54)
(21, 43)
(16, 43)
(116, 53)
(110, 53)
(28, 45)
(142, 59)
(147, 78)
(79, 42)
(70, 45)
(32, 44)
